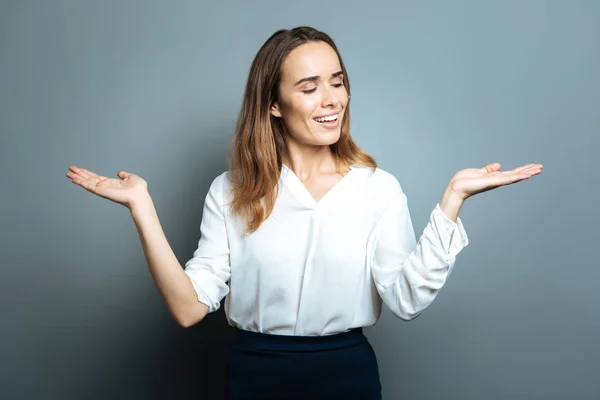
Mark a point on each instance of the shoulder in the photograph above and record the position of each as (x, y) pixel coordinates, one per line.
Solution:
(220, 187)
(222, 180)
(381, 181)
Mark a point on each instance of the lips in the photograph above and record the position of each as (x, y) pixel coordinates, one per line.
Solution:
(327, 118)
(328, 115)
(329, 125)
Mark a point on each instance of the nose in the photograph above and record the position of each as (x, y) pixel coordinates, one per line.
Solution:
(329, 97)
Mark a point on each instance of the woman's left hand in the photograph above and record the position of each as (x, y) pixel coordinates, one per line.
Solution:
(471, 181)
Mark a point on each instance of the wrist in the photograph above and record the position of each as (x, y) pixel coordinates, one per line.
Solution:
(451, 202)
(140, 202)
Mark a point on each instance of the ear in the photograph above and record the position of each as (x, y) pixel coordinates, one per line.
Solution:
(275, 111)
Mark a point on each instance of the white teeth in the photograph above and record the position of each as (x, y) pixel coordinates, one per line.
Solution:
(327, 119)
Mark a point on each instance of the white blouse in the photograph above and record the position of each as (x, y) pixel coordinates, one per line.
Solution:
(320, 268)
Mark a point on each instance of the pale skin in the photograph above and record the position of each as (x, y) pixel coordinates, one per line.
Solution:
(309, 158)
(298, 105)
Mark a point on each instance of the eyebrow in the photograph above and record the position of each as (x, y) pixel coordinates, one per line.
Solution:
(314, 78)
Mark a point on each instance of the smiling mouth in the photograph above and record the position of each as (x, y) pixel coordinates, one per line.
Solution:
(328, 119)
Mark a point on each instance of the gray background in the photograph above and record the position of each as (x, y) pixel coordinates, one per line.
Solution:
(154, 88)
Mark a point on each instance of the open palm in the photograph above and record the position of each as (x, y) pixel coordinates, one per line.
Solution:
(122, 191)
(471, 181)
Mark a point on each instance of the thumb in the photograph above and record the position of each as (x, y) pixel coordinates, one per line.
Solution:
(493, 167)
(122, 174)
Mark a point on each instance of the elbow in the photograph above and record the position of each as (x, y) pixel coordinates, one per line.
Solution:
(193, 316)
(182, 320)
(410, 307)
(406, 313)
(184, 323)
(187, 322)
(408, 316)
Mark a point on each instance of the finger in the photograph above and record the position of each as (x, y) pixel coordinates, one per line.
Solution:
(533, 170)
(536, 168)
(510, 177)
(74, 177)
(523, 167)
(88, 185)
(519, 175)
(94, 178)
(526, 175)
(87, 174)
(123, 175)
(529, 167)
(493, 167)
(82, 172)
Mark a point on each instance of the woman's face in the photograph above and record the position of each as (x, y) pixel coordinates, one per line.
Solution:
(312, 87)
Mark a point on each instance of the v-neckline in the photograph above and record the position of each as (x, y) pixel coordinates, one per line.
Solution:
(302, 193)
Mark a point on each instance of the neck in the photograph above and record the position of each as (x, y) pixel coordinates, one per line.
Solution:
(310, 161)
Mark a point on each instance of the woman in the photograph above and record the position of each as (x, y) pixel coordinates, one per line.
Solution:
(304, 232)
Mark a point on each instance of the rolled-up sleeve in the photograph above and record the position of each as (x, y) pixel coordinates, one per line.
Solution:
(409, 274)
(209, 269)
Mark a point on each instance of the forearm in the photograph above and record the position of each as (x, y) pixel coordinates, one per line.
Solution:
(426, 269)
(451, 202)
(172, 282)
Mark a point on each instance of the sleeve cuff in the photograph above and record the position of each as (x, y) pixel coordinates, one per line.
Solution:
(453, 235)
(211, 291)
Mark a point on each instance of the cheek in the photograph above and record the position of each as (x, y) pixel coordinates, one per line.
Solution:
(302, 109)
(344, 99)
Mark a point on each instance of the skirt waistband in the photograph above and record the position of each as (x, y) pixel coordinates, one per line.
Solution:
(270, 342)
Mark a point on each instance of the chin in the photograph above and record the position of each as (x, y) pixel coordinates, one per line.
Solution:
(319, 138)
(329, 139)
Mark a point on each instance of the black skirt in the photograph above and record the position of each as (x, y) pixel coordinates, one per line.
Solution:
(265, 366)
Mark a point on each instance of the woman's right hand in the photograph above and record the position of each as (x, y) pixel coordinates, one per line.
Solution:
(124, 191)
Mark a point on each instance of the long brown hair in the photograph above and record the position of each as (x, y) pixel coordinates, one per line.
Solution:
(259, 142)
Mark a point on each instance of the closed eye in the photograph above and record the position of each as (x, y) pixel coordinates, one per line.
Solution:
(336, 85)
